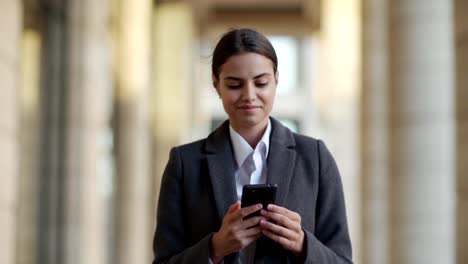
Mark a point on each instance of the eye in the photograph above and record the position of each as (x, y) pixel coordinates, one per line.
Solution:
(261, 84)
(233, 85)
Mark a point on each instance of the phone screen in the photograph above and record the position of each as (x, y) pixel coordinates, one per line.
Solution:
(258, 193)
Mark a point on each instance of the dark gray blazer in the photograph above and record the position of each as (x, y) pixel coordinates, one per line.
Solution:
(198, 186)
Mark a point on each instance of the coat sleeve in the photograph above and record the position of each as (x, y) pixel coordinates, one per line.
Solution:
(330, 243)
(171, 244)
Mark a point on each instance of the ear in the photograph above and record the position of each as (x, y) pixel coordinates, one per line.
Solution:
(276, 77)
(215, 83)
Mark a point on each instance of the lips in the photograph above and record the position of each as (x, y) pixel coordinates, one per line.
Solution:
(248, 107)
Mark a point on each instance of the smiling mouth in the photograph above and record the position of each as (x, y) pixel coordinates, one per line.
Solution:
(249, 107)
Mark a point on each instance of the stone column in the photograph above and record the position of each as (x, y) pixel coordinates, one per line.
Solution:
(26, 231)
(134, 187)
(10, 28)
(51, 199)
(337, 96)
(374, 135)
(88, 110)
(461, 44)
(421, 131)
(173, 94)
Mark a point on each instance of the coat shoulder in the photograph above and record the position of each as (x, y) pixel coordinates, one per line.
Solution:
(306, 143)
(194, 147)
(314, 150)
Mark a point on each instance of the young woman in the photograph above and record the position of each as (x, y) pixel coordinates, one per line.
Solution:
(200, 219)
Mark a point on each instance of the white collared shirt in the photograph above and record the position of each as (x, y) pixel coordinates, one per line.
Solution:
(242, 149)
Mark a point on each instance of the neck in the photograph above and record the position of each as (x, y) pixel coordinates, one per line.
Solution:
(252, 134)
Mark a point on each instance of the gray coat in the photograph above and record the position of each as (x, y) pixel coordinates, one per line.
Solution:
(198, 186)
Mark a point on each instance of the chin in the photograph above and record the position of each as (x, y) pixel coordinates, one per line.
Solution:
(251, 121)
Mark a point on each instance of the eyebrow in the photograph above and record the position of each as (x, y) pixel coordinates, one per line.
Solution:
(240, 79)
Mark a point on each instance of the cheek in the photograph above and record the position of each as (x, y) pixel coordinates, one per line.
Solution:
(228, 100)
(230, 97)
(268, 96)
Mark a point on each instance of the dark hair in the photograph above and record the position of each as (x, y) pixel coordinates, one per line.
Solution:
(239, 41)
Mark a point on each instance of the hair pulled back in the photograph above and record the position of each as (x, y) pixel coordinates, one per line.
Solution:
(238, 41)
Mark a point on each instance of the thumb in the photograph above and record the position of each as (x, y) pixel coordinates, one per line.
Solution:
(234, 207)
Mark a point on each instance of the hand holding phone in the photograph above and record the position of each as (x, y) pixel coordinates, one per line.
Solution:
(258, 193)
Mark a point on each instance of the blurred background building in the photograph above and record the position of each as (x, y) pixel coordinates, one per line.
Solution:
(93, 94)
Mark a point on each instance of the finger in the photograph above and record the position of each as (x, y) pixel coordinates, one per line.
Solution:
(250, 209)
(279, 230)
(234, 207)
(252, 222)
(287, 244)
(249, 239)
(230, 215)
(280, 219)
(254, 231)
(282, 210)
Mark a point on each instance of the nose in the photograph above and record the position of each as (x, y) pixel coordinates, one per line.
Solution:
(248, 93)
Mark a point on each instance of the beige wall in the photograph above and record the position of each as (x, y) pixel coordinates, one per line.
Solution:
(10, 28)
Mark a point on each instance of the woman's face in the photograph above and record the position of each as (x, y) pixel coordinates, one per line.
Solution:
(247, 87)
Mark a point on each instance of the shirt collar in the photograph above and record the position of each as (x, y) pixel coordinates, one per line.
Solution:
(242, 148)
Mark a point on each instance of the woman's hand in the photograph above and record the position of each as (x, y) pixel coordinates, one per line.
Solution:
(285, 228)
(235, 233)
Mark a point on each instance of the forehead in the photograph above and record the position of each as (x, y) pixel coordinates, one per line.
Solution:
(246, 65)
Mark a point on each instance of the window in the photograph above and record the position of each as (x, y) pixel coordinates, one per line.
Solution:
(287, 51)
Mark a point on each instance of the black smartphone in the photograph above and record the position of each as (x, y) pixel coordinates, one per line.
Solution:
(258, 193)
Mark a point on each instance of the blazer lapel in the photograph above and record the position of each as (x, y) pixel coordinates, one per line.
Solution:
(221, 164)
(221, 168)
(281, 159)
